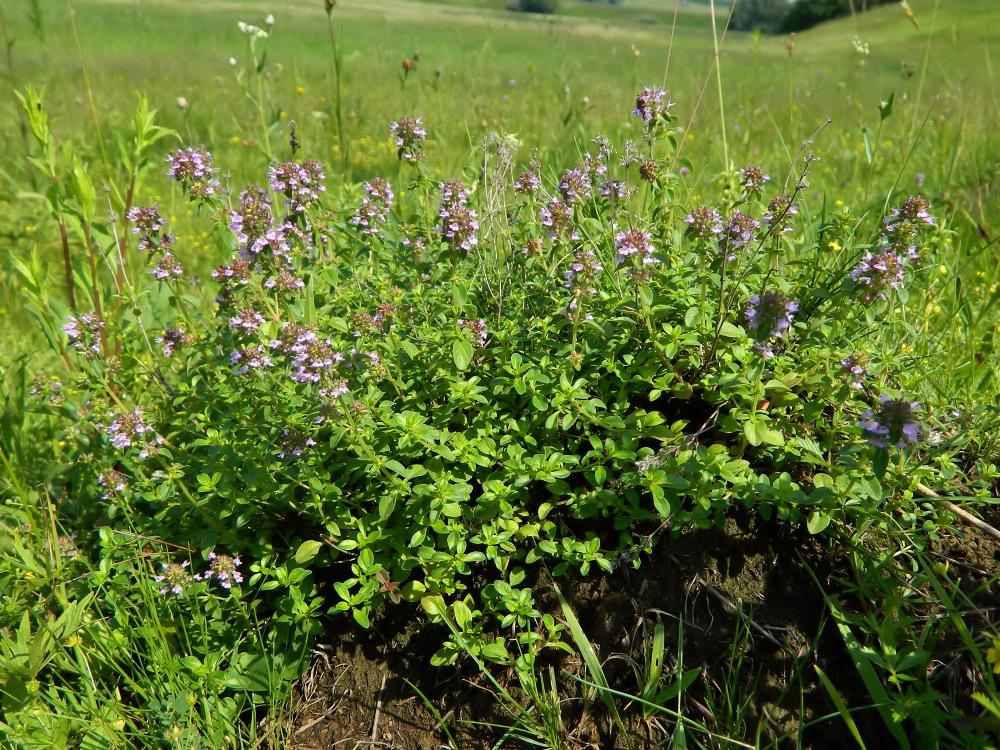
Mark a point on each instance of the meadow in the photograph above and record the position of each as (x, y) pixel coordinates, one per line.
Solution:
(423, 374)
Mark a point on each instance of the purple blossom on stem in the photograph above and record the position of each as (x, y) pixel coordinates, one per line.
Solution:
(172, 338)
(557, 217)
(477, 329)
(130, 429)
(168, 267)
(649, 105)
(634, 243)
(704, 223)
(174, 578)
(769, 315)
(893, 423)
(193, 169)
(877, 273)
(115, 484)
(301, 184)
(253, 218)
(294, 443)
(853, 369)
(247, 320)
(527, 183)
(407, 132)
(574, 185)
(779, 215)
(752, 179)
(458, 223)
(250, 358)
(84, 332)
(740, 232)
(373, 213)
(224, 569)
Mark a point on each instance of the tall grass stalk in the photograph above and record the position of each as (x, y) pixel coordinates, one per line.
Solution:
(718, 77)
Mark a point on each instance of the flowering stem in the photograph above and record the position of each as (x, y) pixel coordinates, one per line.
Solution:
(718, 78)
(337, 103)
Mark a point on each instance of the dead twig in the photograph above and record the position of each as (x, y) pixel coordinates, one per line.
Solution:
(962, 513)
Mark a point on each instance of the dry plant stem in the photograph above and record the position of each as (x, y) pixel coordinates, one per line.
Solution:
(378, 710)
(731, 608)
(959, 511)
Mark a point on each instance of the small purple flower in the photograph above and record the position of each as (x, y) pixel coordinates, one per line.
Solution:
(193, 169)
(407, 133)
(739, 232)
(574, 185)
(250, 358)
(477, 329)
(649, 105)
(130, 429)
(247, 320)
(294, 443)
(779, 215)
(66, 546)
(752, 179)
(168, 267)
(84, 332)
(634, 243)
(254, 217)
(224, 569)
(172, 338)
(301, 184)
(174, 577)
(373, 213)
(458, 223)
(557, 217)
(527, 183)
(877, 273)
(853, 369)
(769, 315)
(704, 223)
(115, 484)
(892, 424)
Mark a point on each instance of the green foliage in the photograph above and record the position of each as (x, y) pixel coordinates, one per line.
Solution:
(758, 15)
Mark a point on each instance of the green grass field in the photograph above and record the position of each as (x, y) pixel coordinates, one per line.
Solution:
(547, 408)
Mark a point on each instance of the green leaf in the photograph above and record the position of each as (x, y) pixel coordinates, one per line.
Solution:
(817, 521)
(307, 551)
(461, 352)
(869, 154)
(755, 432)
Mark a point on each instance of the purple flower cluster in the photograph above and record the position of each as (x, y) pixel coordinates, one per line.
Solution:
(769, 316)
(130, 429)
(167, 268)
(84, 332)
(49, 388)
(527, 183)
(147, 223)
(752, 179)
(253, 219)
(223, 568)
(458, 222)
(246, 320)
(574, 185)
(477, 329)
(301, 184)
(285, 282)
(739, 232)
(294, 443)
(634, 243)
(557, 217)
(877, 273)
(904, 227)
(193, 169)
(649, 105)
(854, 370)
(373, 213)
(174, 578)
(779, 215)
(407, 132)
(594, 166)
(172, 338)
(704, 223)
(893, 423)
(581, 275)
(249, 358)
(115, 484)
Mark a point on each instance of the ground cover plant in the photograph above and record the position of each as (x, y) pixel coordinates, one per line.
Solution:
(651, 442)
